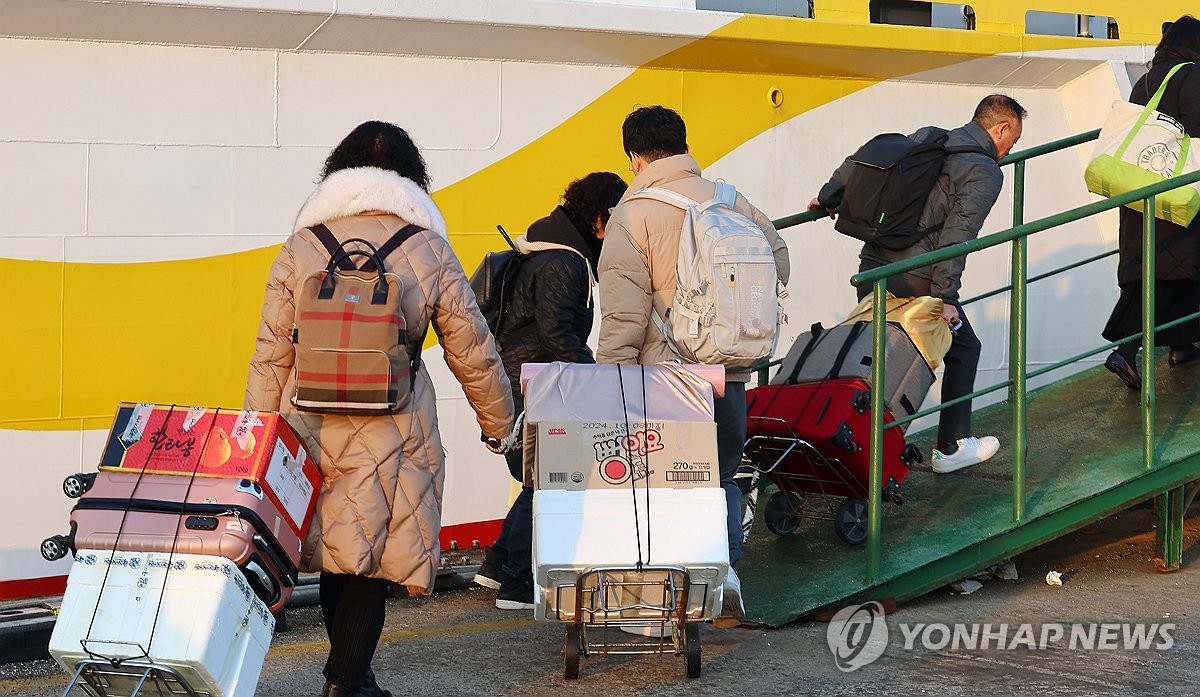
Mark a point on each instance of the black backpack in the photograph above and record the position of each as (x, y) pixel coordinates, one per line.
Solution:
(887, 186)
(493, 284)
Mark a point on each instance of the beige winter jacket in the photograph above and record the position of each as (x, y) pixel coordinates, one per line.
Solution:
(637, 262)
(379, 510)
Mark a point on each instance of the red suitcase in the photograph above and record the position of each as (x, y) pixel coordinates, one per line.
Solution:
(814, 438)
(171, 513)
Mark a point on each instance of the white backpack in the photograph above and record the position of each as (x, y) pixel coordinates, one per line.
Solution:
(726, 307)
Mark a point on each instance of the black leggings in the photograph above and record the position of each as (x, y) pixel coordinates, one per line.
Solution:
(353, 607)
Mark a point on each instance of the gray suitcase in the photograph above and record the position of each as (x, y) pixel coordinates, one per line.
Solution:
(844, 351)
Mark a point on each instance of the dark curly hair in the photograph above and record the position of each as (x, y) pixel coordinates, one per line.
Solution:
(591, 196)
(379, 144)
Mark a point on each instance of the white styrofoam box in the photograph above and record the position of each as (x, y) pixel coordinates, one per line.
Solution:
(209, 627)
(573, 530)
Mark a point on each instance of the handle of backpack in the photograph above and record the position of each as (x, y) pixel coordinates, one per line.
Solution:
(379, 297)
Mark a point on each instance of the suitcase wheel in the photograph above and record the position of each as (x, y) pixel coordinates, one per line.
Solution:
(861, 402)
(850, 521)
(55, 548)
(782, 513)
(911, 455)
(77, 485)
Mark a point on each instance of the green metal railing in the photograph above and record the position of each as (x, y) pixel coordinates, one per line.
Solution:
(1018, 375)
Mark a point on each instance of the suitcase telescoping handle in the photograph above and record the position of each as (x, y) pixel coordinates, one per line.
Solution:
(379, 297)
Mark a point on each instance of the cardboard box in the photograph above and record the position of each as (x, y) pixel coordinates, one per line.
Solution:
(599, 426)
(600, 455)
(197, 441)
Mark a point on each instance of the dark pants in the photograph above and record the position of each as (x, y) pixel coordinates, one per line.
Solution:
(730, 413)
(961, 361)
(515, 543)
(353, 607)
(1172, 300)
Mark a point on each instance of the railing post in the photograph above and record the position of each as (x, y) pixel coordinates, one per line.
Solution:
(1017, 367)
(1148, 331)
(875, 480)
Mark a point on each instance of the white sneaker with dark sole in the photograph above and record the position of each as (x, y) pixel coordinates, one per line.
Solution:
(971, 451)
(486, 581)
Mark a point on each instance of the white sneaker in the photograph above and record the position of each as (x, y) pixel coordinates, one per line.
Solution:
(732, 610)
(971, 451)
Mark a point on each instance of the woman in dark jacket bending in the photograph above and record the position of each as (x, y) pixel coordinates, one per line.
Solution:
(1177, 255)
(549, 319)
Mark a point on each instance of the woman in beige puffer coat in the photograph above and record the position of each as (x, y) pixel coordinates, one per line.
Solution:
(379, 510)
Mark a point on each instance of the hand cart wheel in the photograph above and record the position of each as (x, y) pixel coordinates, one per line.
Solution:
(782, 514)
(77, 485)
(691, 647)
(850, 521)
(571, 642)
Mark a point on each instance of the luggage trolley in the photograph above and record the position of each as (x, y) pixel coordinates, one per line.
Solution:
(101, 678)
(629, 535)
(663, 603)
(801, 471)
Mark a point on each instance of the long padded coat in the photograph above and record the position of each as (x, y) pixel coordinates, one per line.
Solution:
(379, 509)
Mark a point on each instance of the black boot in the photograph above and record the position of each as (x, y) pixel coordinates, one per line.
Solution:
(335, 690)
(370, 688)
(1183, 354)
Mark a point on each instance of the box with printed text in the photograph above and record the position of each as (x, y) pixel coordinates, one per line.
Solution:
(236, 444)
(605, 426)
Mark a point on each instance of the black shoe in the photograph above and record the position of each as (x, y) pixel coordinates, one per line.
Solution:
(1183, 355)
(1117, 365)
(335, 690)
(370, 688)
(515, 593)
(488, 575)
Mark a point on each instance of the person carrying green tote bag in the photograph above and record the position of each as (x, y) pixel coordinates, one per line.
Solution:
(1176, 247)
(1139, 146)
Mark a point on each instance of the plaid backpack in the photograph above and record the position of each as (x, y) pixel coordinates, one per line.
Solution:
(350, 337)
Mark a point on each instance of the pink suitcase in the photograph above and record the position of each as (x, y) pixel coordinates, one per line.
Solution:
(232, 518)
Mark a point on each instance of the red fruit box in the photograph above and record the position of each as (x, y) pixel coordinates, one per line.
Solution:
(226, 443)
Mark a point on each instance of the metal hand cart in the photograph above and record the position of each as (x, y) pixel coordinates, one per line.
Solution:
(801, 471)
(138, 677)
(665, 604)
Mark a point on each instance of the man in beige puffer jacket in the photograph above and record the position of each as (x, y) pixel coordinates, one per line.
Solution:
(637, 275)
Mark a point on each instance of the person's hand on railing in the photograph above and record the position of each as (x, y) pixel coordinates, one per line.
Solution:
(815, 204)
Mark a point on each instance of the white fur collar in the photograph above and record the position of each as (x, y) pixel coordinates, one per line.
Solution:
(349, 192)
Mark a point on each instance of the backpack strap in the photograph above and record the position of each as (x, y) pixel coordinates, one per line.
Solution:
(326, 238)
(393, 243)
(726, 193)
(666, 196)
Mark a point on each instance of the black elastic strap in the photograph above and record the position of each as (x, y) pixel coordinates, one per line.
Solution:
(817, 331)
(855, 331)
(326, 238)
